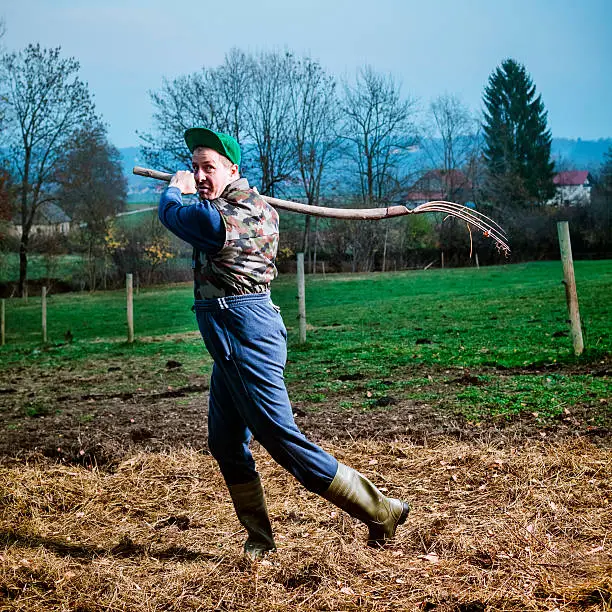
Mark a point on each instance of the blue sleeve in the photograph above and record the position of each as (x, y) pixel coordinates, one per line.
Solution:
(198, 224)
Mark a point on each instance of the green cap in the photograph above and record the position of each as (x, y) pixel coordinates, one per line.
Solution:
(222, 143)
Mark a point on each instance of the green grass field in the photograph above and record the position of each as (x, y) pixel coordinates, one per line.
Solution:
(404, 326)
(510, 315)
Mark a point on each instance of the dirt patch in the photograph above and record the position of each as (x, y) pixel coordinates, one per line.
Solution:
(98, 413)
(421, 423)
(101, 412)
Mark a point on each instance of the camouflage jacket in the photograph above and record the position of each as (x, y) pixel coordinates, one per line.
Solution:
(245, 263)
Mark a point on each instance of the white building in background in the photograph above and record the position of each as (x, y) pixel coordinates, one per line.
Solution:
(49, 219)
(573, 188)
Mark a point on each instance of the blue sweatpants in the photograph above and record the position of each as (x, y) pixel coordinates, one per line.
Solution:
(247, 340)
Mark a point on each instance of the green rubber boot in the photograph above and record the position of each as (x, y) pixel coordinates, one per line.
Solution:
(250, 506)
(356, 495)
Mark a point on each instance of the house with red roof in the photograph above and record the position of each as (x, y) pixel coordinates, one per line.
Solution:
(573, 188)
(451, 185)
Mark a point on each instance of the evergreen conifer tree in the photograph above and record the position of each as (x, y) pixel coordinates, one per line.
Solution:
(605, 181)
(517, 139)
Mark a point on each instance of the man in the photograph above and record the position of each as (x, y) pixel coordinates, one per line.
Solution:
(234, 233)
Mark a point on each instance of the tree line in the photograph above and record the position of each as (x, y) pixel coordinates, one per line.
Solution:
(54, 150)
(304, 134)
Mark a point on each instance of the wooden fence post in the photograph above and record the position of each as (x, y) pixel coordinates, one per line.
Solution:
(2, 326)
(44, 313)
(129, 284)
(570, 286)
(477, 262)
(301, 297)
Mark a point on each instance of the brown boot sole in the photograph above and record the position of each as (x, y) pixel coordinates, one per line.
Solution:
(404, 515)
(380, 542)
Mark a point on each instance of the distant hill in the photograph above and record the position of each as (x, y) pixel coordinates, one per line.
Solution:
(131, 157)
(140, 189)
(580, 154)
(568, 154)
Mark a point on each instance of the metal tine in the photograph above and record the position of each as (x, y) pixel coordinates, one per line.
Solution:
(465, 214)
(451, 206)
(465, 208)
(472, 212)
(479, 223)
(461, 214)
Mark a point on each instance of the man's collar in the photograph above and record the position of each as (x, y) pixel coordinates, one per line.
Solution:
(241, 184)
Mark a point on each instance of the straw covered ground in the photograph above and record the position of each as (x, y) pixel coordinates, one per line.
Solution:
(456, 390)
(493, 527)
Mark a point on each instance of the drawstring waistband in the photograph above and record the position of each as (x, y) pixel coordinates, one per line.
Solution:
(231, 301)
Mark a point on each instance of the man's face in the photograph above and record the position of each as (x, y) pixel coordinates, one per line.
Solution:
(212, 172)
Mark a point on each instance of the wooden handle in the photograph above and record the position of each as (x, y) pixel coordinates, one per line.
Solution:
(156, 174)
(305, 209)
(474, 218)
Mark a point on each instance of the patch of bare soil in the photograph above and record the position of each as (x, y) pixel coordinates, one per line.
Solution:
(391, 417)
(98, 415)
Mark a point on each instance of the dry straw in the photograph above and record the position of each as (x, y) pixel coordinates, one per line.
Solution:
(491, 529)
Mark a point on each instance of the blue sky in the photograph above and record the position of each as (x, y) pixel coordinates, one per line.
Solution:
(432, 47)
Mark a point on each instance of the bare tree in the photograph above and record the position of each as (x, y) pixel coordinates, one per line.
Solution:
(314, 117)
(453, 147)
(45, 103)
(268, 113)
(233, 90)
(2, 106)
(92, 190)
(247, 96)
(212, 97)
(454, 144)
(182, 103)
(379, 127)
